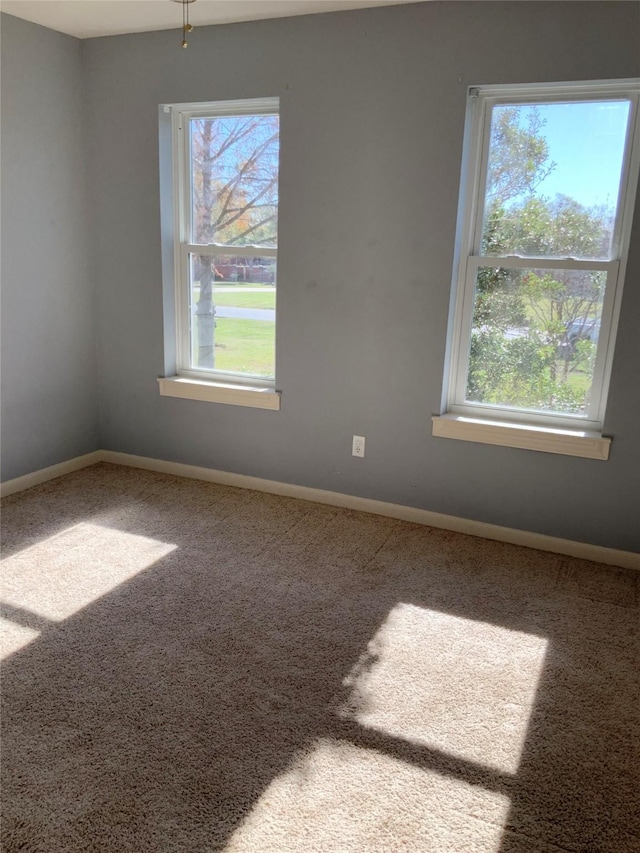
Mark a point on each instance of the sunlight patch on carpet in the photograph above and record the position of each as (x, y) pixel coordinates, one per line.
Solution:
(463, 687)
(339, 796)
(14, 637)
(59, 576)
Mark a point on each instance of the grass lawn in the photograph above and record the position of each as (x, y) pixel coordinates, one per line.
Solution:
(579, 381)
(543, 309)
(238, 299)
(244, 346)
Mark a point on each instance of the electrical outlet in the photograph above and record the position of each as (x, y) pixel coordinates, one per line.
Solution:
(358, 446)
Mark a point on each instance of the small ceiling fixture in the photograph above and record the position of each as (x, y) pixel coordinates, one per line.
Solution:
(186, 26)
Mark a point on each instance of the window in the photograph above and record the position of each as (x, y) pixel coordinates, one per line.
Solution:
(546, 206)
(225, 192)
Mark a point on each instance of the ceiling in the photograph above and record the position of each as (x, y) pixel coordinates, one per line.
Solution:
(88, 18)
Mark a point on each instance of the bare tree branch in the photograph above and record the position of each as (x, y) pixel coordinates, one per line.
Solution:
(256, 226)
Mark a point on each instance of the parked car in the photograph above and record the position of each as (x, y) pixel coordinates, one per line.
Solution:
(583, 329)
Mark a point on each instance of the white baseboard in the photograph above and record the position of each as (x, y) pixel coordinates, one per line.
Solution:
(597, 553)
(44, 474)
(582, 550)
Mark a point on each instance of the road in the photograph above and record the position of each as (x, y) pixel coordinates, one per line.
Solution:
(222, 288)
(245, 313)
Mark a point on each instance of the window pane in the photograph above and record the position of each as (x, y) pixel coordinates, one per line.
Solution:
(234, 180)
(553, 178)
(232, 310)
(534, 338)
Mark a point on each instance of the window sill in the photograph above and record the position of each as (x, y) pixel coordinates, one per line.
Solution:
(220, 392)
(590, 445)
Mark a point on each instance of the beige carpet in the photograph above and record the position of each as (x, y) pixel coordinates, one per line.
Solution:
(191, 667)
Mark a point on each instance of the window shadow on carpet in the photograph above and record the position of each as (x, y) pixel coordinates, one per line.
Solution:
(285, 676)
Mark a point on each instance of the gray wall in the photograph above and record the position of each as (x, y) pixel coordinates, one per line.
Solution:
(372, 119)
(49, 388)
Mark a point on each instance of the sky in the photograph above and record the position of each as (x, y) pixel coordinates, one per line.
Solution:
(586, 140)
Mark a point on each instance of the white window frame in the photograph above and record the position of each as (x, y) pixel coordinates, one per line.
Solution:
(191, 383)
(468, 260)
